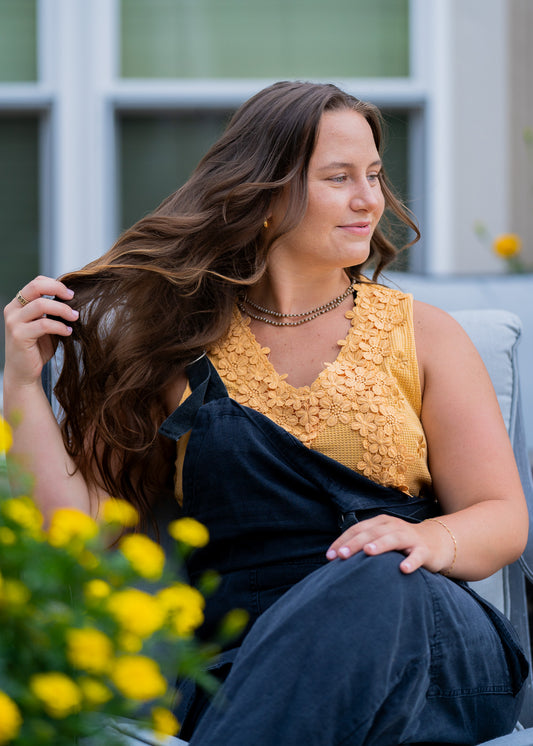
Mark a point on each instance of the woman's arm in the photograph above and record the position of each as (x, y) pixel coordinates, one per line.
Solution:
(470, 456)
(471, 462)
(37, 441)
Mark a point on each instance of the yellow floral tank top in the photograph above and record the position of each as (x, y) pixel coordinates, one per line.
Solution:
(363, 410)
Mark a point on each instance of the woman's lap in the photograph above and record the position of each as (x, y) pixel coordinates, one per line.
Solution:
(358, 652)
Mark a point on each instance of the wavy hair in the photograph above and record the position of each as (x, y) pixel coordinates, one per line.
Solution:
(165, 291)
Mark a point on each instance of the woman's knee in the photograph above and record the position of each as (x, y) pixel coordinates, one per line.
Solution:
(347, 624)
(375, 582)
(364, 600)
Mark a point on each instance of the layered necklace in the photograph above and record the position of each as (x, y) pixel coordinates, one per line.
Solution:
(244, 304)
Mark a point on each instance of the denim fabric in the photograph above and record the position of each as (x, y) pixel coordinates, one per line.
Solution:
(358, 653)
(342, 652)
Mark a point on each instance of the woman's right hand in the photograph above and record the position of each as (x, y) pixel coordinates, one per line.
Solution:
(38, 443)
(29, 344)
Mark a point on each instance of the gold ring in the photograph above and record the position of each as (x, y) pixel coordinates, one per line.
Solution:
(21, 299)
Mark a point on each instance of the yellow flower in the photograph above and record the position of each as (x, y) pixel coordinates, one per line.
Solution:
(138, 677)
(234, 622)
(507, 245)
(6, 436)
(10, 719)
(88, 559)
(14, 593)
(96, 590)
(89, 649)
(58, 694)
(163, 722)
(7, 536)
(94, 692)
(68, 525)
(22, 510)
(189, 531)
(145, 556)
(136, 612)
(184, 605)
(129, 642)
(119, 512)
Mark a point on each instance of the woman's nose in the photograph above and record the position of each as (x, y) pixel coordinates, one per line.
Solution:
(365, 196)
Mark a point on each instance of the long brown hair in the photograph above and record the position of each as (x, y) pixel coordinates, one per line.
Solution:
(165, 291)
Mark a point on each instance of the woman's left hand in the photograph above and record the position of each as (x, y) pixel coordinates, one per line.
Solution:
(425, 544)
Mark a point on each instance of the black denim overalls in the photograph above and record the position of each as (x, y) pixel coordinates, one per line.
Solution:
(273, 507)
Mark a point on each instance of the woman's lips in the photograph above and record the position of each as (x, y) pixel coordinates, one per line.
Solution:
(357, 229)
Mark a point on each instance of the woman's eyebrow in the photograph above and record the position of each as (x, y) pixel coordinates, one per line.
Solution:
(346, 164)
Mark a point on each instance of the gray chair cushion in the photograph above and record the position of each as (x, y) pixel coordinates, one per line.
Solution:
(518, 738)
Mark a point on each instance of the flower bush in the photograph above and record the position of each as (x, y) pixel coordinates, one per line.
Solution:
(89, 632)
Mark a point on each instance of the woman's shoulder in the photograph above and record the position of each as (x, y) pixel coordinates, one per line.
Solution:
(430, 320)
(441, 342)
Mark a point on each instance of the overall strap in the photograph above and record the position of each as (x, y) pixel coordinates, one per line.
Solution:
(206, 385)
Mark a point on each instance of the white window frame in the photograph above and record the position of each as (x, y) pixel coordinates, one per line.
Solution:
(79, 95)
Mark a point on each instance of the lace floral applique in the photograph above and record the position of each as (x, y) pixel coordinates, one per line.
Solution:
(400, 360)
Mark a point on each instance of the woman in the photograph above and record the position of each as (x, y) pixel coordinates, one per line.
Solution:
(312, 461)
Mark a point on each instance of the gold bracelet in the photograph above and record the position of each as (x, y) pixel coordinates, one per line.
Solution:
(437, 520)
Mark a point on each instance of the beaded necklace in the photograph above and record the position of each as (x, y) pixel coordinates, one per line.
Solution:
(303, 317)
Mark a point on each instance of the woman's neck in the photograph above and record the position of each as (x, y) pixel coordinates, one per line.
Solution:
(292, 294)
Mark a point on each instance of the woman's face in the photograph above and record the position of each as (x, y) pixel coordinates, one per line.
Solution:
(345, 201)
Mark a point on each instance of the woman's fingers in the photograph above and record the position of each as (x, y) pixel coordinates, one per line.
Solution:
(415, 559)
(43, 308)
(40, 286)
(355, 538)
(385, 534)
(41, 297)
(36, 312)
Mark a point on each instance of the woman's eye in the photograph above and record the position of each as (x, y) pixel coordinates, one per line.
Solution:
(373, 176)
(340, 179)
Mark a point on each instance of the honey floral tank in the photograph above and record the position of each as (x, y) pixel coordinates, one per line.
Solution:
(363, 409)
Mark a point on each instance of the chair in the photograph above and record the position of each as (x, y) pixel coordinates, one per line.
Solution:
(495, 334)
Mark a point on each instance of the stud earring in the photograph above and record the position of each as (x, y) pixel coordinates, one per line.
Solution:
(265, 223)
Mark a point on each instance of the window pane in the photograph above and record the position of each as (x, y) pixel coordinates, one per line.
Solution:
(257, 39)
(396, 161)
(158, 154)
(18, 45)
(19, 206)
